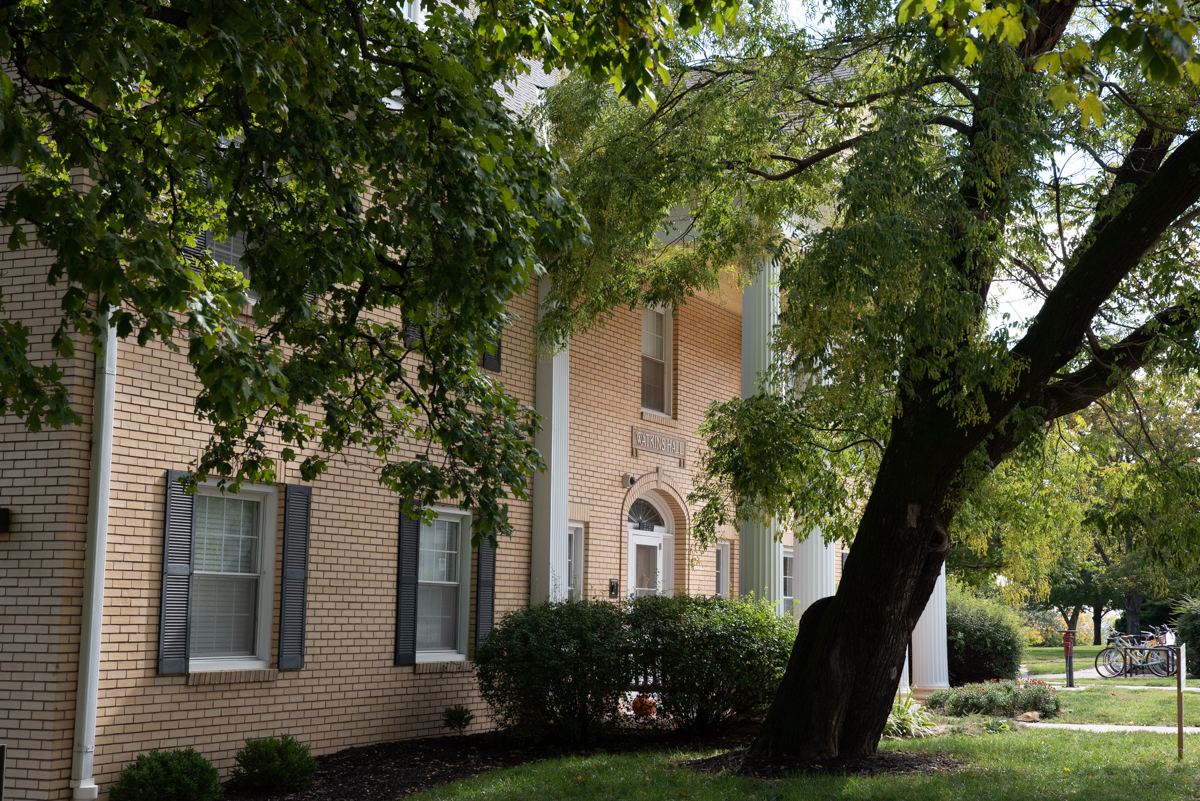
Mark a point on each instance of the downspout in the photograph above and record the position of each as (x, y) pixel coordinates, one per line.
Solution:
(83, 785)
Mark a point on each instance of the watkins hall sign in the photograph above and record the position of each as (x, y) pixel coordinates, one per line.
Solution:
(654, 442)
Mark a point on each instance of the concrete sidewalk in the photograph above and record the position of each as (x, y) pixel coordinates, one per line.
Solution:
(1108, 727)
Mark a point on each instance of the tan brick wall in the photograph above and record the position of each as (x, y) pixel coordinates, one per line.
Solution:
(606, 406)
(44, 482)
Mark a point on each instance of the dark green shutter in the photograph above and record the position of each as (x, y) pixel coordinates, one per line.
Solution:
(293, 591)
(485, 592)
(406, 591)
(175, 613)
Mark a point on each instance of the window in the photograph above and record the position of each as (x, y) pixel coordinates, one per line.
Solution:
(788, 594)
(491, 355)
(232, 592)
(574, 561)
(656, 361)
(722, 589)
(441, 591)
(442, 588)
(226, 251)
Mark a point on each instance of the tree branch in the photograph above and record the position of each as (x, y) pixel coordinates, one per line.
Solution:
(804, 163)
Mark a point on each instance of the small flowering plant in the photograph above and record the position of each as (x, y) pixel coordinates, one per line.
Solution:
(997, 697)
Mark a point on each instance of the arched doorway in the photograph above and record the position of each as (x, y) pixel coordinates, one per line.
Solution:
(651, 557)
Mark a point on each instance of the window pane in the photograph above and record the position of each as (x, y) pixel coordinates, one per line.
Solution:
(720, 569)
(439, 552)
(572, 579)
(646, 570)
(652, 334)
(224, 610)
(226, 534)
(652, 384)
(437, 617)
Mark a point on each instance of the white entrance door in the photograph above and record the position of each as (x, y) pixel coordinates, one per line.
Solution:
(651, 557)
(645, 563)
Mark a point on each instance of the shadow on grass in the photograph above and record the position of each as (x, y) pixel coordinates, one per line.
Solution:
(1012, 765)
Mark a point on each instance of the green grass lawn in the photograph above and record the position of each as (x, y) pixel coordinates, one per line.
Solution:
(1050, 660)
(1010, 766)
(1115, 705)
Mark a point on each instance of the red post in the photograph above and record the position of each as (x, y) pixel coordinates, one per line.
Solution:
(1069, 654)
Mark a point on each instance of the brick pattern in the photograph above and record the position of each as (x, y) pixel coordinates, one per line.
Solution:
(349, 692)
(606, 406)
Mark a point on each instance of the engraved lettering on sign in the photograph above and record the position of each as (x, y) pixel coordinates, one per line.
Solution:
(659, 443)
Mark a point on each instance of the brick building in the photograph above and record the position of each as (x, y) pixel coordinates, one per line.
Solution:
(282, 608)
(134, 616)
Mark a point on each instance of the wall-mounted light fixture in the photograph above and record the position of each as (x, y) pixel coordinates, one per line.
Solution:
(3, 521)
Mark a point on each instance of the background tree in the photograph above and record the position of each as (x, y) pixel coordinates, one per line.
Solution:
(905, 180)
(380, 185)
(1145, 518)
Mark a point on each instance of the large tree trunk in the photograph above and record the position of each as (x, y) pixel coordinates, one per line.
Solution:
(1133, 612)
(1097, 624)
(845, 666)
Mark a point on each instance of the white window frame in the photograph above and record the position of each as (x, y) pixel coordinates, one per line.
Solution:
(722, 554)
(575, 560)
(268, 499)
(459, 654)
(668, 361)
(789, 601)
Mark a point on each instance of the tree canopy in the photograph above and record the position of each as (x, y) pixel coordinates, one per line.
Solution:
(911, 192)
(381, 188)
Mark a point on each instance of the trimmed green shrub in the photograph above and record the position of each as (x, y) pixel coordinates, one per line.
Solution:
(273, 764)
(557, 669)
(984, 637)
(710, 661)
(997, 698)
(1187, 623)
(183, 775)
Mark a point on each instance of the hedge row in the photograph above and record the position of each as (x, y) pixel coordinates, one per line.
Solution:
(567, 670)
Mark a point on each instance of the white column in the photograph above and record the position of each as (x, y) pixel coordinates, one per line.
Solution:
(904, 689)
(760, 555)
(548, 564)
(930, 668)
(813, 565)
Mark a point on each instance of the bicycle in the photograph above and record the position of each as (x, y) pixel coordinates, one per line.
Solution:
(1128, 653)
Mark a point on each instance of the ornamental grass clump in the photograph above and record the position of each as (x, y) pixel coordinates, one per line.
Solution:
(997, 698)
(907, 719)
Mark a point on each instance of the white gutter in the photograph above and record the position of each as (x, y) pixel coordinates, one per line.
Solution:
(83, 785)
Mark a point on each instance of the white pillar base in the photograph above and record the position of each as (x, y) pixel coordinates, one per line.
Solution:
(931, 670)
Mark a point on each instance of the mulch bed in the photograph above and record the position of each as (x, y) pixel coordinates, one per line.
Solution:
(878, 764)
(384, 771)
